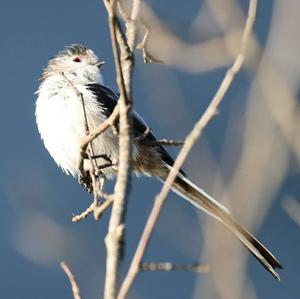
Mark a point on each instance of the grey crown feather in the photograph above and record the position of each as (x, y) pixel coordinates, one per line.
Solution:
(74, 49)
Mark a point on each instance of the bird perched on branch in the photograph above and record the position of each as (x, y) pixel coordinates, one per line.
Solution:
(61, 123)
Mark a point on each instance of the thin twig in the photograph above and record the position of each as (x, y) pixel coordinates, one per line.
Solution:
(143, 135)
(168, 142)
(130, 22)
(96, 207)
(189, 142)
(98, 212)
(168, 267)
(147, 56)
(72, 279)
(122, 11)
(164, 141)
(85, 213)
(94, 169)
(109, 122)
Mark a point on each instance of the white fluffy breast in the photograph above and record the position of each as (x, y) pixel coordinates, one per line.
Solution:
(60, 121)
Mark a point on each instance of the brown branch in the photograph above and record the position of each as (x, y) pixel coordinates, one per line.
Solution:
(72, 279)
(168, 267)
(189, 142)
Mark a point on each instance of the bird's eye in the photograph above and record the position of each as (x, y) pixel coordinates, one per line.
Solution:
(77, 59)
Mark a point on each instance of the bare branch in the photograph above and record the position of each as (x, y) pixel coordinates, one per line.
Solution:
(109, 122)
(147, 56)
(98, 212)
(169, 142)
(85, 213)
(72, 279)
(131, 26)
(95, 170)
(168, 267)
(130, 21)
(189, 142)
(144, 135)
(96, 207)
(97, 184)
(124, 65)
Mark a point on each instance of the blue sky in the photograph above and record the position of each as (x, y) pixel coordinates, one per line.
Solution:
(37, 200)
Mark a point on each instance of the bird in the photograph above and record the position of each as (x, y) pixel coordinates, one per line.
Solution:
(61, 124)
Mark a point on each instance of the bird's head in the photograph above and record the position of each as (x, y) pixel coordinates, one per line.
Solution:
(78, 63)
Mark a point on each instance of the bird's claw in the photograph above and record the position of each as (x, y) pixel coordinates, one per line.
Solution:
(86, 182)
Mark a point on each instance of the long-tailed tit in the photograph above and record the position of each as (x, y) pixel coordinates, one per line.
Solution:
(61, 123)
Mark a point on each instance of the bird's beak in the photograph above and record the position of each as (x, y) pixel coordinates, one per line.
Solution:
(99, 64)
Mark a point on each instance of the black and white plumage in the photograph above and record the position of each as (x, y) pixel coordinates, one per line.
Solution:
(60, 121)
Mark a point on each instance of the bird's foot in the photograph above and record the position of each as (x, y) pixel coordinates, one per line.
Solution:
(86, 182)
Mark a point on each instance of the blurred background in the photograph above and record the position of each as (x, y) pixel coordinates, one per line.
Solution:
(248, 157)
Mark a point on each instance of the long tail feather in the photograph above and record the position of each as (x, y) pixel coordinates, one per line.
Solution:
(203, 201)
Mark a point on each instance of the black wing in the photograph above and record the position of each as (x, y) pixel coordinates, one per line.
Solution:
(108, 100)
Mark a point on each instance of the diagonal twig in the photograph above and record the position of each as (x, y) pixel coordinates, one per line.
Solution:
(72, 279)
(109, 122)
(147, 56)
(86, 145)
(85, 213)
(189, 142)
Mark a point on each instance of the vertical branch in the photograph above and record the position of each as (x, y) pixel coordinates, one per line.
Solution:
(131, 25)
(128, 61)
(124, 65)
(189, 142)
